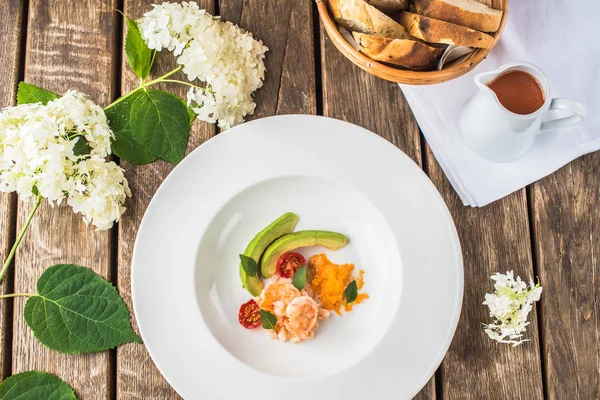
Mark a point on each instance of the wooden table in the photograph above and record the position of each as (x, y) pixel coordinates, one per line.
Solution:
(550, 229)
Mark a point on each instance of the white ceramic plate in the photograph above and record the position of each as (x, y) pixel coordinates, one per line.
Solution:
(335, 176)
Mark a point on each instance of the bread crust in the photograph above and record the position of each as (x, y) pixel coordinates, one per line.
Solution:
(389, 6)
(436, 31)
(406, 53)
(488, 21)
(358, 16)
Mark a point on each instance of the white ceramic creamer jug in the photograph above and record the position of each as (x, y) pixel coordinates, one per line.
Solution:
(500, 135)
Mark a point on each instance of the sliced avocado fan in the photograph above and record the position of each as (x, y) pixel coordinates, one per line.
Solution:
(292, 241)
(281, 226)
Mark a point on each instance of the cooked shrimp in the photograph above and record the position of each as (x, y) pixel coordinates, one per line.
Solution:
(302, 313)
(276, 297)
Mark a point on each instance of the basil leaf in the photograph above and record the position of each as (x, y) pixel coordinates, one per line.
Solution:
(299, 278)
(28, 93)
(78, 311)
(249, 265)
(138, 53)
(125, 144)
(267, 319)
(351, 292)
(35, 385)
(160, 122)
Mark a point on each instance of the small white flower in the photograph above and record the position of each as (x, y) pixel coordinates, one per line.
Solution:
(509, 307)
(37, 152)
(227, 59)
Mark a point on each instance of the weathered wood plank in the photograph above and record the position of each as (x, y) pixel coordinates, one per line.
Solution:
(566, 215)
(137, 376)
(285, 27)
(494, 239)
(352, 95)
(11, 15)
(68, 47)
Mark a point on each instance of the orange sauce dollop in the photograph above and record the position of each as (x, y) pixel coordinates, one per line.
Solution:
(330, 281)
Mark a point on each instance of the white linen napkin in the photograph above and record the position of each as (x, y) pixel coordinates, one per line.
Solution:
(555, 35)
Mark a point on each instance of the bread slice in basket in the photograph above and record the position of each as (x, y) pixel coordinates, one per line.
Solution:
(406, 53)
(358, 16)
(436, 31)
(389, 6)
(470, 13)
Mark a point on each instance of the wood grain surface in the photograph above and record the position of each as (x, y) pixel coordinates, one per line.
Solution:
(11, 15)
(68, 47)
(382, 110)
(137, 376)
(566, 222)
(494, 239)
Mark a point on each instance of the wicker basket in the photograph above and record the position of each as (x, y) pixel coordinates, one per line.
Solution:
(450, 71)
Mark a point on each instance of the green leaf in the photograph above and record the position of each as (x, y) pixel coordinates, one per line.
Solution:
(138, 53)
(249, 265)
(78, 311)
(190, 111)
(351, 292)
(299, 278)
(35, 385)
(81, 147)
(160, 122)
(28, 93)
(125, 145)
(267, 319)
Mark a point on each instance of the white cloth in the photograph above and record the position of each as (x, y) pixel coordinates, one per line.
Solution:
(558, 37)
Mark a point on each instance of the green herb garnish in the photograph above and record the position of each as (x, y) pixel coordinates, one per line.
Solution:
(249, 265)
(299, 278)
(351, 292)
(267, 319)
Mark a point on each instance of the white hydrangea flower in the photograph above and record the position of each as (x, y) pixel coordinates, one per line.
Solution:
(227, 59)
(509, 306)
(98, 189)
(37, 153)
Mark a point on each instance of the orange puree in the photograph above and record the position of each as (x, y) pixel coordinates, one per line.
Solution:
(330, 281)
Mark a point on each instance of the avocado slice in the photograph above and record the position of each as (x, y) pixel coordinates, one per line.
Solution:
(292, 241)
(281, 226)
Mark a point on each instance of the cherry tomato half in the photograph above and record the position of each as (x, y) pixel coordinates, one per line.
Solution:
(249, 315)
(288, 264)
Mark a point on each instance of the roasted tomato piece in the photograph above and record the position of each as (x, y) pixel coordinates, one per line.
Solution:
(288, 264)
(249, 315)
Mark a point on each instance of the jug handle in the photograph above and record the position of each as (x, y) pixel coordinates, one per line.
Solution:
(576, 108)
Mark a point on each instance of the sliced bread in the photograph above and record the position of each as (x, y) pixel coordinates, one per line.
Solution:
(469, 13)
(389, 6)
(406, 53)
(436, 31)
(358, 16)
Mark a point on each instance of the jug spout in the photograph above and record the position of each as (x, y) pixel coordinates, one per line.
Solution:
(482, 79)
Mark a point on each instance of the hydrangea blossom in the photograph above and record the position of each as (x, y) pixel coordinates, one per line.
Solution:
(37, 156)
(509, 307)
(226, 58)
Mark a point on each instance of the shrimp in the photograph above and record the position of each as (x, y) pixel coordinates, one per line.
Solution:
(276, 297)
(302, 313)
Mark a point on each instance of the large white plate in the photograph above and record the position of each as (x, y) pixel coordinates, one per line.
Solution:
(335, 176)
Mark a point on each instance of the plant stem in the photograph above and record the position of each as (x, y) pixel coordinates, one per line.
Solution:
(6, 296)
(182, 82)
(143, 86)
(13, 250)
(162, 78)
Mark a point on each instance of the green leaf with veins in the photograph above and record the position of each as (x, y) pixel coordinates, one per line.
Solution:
(160, 122)
(267, 319)
(249, 265)
(125, 144)
(299, 278)
(35, 385)
(78, 311)
(138, 53)
(28, 93)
